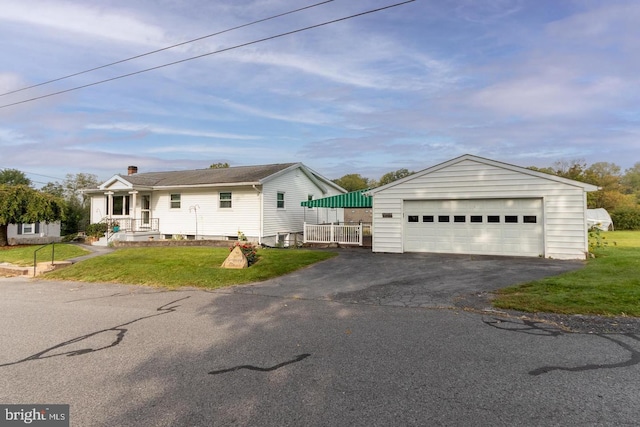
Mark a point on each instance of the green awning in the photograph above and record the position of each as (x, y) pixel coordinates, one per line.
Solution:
(355, 199)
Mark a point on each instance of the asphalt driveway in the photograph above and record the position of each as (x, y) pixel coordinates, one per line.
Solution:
(409, 280)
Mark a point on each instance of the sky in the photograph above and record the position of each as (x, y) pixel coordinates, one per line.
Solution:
(525, 82)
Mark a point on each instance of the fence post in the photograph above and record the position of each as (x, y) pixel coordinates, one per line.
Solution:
(360, 242)
(331, 238)
(304, 233)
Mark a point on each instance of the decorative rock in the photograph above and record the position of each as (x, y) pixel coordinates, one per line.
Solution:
(236, 259)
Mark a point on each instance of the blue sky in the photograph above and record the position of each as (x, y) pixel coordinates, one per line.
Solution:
(524, 82)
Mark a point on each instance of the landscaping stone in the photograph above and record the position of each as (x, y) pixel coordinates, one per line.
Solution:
(236, 259)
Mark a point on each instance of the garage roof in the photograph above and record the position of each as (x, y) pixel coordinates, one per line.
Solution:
(355, 199)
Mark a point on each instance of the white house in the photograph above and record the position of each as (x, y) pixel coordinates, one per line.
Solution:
(36, 233)
(472, 205)
(262, 202)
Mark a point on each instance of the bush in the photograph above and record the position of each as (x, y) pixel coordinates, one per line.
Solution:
(96, 230)
(249, 250)
(626, 218)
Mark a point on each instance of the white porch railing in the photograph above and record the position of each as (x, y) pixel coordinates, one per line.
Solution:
(332, 233)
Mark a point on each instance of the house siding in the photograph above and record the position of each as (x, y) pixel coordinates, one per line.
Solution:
(98, 208)
(200, 208)
(296, 186)
(47, 233)
(564, 204)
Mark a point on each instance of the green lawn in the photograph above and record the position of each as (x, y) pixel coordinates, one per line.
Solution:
(185, 266)
(23, 255)
(609, 284)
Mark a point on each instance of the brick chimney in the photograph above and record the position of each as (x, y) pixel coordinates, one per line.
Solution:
(132, 170)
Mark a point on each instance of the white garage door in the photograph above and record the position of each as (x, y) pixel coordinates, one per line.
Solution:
(484, 226)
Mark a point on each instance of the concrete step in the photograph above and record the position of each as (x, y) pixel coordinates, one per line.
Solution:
(10, 270)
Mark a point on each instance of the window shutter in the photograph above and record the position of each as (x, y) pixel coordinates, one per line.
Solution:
(19, 228)
(37, 228)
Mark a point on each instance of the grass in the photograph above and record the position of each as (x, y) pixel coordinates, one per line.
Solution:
(609, 284)
(173, 267)
(23, 255)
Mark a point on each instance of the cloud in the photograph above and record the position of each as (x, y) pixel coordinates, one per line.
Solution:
(543, 97)
(80, 18)
(162, 130)
(306, 117)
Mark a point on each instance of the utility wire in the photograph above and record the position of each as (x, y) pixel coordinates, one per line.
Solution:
(208, 54)
(165, 48)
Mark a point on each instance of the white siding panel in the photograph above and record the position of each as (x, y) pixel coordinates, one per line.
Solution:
(200, 208)
(297, 187)
(98, 208)
(387, 232)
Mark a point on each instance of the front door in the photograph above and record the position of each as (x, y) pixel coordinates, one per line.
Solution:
(146, 211)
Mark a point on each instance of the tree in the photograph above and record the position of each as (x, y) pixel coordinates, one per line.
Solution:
(394, 176)
(77, 209)
(606, 176)
(53, 188)
(631, 181)
(14, 177)
(20, 204)
(354, 181)
(219, 165)
(571, 169)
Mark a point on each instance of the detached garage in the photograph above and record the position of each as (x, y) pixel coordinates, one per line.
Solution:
(472, 205)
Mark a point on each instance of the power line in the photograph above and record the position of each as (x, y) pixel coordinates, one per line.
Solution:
(165, 48)
(208, 54)
(32, 173)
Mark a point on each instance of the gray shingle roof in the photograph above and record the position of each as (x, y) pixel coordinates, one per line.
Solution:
(230, 175)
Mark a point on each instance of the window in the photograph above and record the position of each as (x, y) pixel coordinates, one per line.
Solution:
(225, 200)
(28, 228)
(309, 198)
(459, 218)
(476, 218)
(427, 218)
(493, 218)
(120, 205)
(529, 219)
(511, 219)
(280, 200)
(175, 201)
(413, 218)
(443, 218)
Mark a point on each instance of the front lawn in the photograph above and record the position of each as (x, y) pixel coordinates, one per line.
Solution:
(609, 284)
(185, 266)
(23, 255)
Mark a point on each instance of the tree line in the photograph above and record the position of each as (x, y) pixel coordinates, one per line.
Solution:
(619, 191)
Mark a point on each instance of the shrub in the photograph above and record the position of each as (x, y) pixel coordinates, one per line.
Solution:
(248, 249)
(626, 218)
(96, 230)
(596, 239)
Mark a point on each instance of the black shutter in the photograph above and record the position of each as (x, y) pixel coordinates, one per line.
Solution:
(37, 230)
(19, 228)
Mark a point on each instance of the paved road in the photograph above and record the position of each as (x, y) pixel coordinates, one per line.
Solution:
(129, 356)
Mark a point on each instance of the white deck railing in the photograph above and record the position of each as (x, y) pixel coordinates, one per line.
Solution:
(332, 233)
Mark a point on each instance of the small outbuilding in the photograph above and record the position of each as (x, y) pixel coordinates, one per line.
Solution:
(600, 219)
(473, 205)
